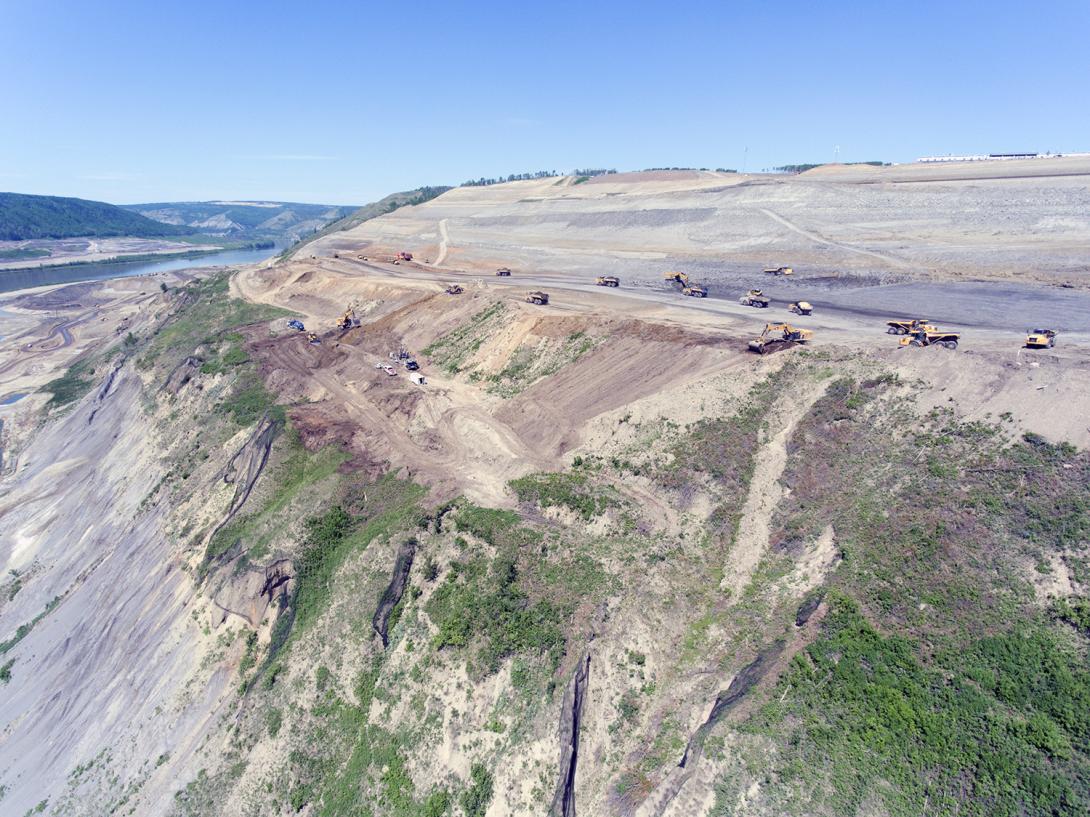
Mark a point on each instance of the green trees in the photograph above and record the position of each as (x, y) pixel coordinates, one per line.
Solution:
(26, 217)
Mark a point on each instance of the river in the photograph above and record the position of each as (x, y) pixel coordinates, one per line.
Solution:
(11, 280)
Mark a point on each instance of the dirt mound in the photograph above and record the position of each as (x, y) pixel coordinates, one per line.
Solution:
(73, 296)
(637, 176)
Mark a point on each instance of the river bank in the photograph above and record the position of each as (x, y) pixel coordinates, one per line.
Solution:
(28, 278)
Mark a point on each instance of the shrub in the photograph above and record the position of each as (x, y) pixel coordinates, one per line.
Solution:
(476, 799)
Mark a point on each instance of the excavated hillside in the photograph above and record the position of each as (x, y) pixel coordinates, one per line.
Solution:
(603, 560)
(852, 230)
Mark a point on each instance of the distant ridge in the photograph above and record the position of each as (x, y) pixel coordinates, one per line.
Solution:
(282, 221)
(24, 216)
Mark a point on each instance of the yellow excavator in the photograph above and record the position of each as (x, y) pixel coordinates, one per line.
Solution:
(348, 319)
(779, 271)
(777, 334)
(688, 285)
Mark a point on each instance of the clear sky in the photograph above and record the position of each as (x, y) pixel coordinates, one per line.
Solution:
(343, 102)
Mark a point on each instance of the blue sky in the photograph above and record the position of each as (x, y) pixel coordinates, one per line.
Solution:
(343, 102)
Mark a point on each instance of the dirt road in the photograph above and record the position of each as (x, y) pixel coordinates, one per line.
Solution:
(990, 314)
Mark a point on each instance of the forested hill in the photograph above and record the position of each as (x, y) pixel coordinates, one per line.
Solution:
(25, 216)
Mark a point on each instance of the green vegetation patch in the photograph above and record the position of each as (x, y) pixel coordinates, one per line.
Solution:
(298, 479)
(453, 349)
(207, 314)
(572, 490)
(22, 253)
(533, 361)
(480, 602)
(998, 729)
(938, 684)
(24, 629)
(493, 525)
(77, 380)
(330, 538)
(722, 450)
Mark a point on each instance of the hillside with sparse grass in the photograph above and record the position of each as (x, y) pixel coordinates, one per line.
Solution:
(614, 562)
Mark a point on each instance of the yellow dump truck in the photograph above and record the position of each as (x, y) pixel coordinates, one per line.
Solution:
(1040, 338)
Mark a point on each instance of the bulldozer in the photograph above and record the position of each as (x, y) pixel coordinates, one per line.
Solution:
(909, 326)
(504, 272)
(755, 298)
(538, 297)
(313, 338)
(454, 289)
(608, 281)
(779, 271)
(924, 337)
(1040, 338)
(695, 290)
(801, 308)
(770, 340)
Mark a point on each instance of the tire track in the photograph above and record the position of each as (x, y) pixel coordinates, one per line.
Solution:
(830, 243)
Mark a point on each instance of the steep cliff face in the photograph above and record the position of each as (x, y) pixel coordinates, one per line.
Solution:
(595, 566)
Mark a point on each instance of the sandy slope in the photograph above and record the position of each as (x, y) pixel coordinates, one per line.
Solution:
(1024, 221)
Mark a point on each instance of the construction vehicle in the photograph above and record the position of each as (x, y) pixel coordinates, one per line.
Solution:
(454, 289)
(770, 340)
(348, 320)
(755, 298)
(504, 272)
(801, 308)
(313, 338)
(608, 281)
(906, 327)
(296, 324)
(923, 337)
(780, 271)
(688, 286)
(538, 297)
(404, 256)
(1040, 338)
